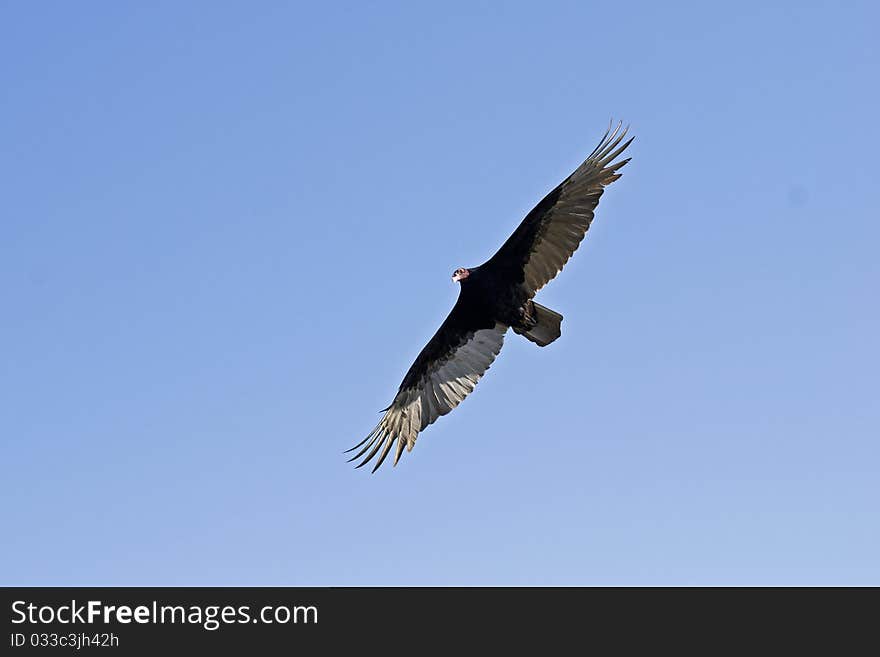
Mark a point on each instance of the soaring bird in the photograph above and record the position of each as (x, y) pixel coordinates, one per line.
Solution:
(494, 297)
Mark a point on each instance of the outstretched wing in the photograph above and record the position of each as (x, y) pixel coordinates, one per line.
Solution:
(553, 230)
(444, 373)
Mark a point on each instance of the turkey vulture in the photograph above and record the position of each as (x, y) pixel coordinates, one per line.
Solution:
(496, 296)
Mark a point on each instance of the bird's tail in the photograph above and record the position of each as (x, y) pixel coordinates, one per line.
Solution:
(548, 325)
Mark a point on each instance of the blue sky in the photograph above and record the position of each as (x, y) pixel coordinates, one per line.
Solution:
(228, 228)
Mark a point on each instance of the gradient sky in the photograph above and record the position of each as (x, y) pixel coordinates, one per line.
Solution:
(228, 228)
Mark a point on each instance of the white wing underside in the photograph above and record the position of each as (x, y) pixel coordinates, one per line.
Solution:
(571, 216)
(440, 390)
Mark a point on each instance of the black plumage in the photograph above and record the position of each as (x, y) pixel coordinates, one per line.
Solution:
(496, 296)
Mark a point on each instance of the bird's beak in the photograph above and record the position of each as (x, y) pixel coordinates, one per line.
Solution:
(456, 278)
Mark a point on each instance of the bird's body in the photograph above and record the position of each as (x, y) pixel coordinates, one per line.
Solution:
(494, 297)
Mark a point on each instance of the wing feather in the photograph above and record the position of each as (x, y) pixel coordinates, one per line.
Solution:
(548, 236)
(432, 391)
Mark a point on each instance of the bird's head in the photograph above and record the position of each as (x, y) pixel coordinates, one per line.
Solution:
(460, 274)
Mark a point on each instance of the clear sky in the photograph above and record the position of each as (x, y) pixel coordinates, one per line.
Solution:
(228, 228)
